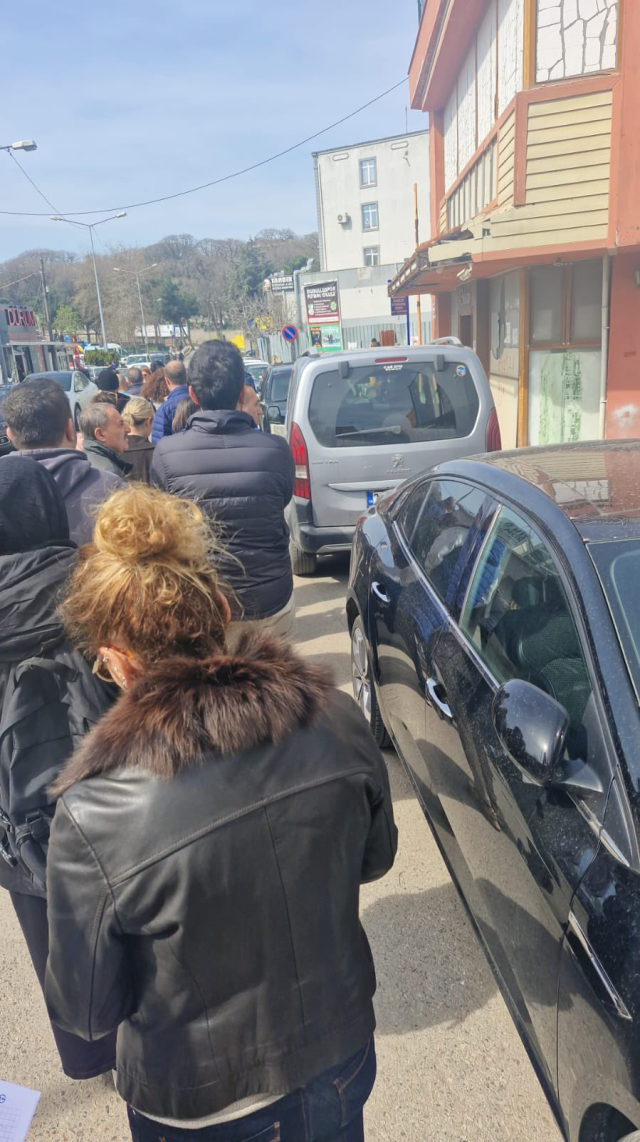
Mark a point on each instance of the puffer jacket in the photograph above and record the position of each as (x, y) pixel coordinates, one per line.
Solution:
(30, 585)
(244, 480)
(204, 877)
(83, 486)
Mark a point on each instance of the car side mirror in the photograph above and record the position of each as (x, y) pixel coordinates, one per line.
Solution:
(533, 729)
(273, 414)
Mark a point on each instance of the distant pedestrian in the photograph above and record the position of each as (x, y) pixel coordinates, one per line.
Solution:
(105, 439)
(136, 381)
(108, 381)
(49, 699)
(207, 854)
(375, 344)
(184, 412)
(242, 478)
(155, 387)
(40, 427)
(138, 417)
(175, 375)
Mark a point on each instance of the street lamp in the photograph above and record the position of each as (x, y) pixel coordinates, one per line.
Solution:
(22, 145)
(136, 274)
(90, 227)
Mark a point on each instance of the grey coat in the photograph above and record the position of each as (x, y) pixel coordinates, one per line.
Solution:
(83, 485)
(105, 459)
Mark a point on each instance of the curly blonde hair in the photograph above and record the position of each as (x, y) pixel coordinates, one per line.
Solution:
(147, 583)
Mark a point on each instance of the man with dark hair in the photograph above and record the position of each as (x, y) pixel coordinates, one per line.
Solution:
(105, 438)
(40, 426)
(136, 381)
(242, 478)
(108, 381)
(175, 375)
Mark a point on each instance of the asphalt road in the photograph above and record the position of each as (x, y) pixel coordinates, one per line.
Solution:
(451, 1067)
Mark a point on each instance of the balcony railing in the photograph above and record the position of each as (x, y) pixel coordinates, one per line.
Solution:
(476, 190)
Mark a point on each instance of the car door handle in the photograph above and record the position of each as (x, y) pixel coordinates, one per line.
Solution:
(380, 593)
(443, 707)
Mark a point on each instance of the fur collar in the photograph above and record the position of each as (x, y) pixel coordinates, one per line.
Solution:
(182, 709)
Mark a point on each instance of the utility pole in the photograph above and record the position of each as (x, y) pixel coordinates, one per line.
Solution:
(47, 314)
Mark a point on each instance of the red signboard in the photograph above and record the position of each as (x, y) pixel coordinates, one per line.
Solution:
(22, 324)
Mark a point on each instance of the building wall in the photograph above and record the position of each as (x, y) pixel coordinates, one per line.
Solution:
(575, 37)
(363, 294)
(623, 395)
(401, 162)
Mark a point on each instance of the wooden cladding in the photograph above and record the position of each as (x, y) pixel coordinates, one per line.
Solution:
(476, 190)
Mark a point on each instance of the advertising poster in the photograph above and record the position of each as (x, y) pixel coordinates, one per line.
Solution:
(564, 396)
(326, 338)
(323, 303)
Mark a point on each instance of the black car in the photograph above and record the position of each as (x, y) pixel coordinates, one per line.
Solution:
(275, 393)
(494, 610)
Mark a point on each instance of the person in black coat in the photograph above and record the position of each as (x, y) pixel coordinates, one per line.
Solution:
(36, 558)
(244, 481)
(207, 853)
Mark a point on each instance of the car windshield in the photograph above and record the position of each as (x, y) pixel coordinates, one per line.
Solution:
(618, 565)
(393, 402)
(280, 385)
(255, 371)
(63, 379)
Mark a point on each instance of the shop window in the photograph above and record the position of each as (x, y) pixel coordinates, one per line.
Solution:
(546, 305)
(566, 304)
(586, 302)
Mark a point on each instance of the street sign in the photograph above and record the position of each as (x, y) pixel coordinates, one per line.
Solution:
(282, 283)
(399, 306)
(289, 332)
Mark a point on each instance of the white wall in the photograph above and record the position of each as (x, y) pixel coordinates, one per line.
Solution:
(401, 162)
(489, 78)
(576, 37)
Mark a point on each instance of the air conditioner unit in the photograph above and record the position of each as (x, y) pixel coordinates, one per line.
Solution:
(343, 219)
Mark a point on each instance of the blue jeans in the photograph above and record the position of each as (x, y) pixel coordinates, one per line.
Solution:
(327, 1109)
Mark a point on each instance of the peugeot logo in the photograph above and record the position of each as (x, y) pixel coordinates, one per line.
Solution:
(397, 462)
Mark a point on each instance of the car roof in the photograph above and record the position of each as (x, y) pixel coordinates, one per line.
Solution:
(595, 484)
(51, 374)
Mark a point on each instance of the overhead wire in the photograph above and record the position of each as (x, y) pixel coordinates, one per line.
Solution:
(34, 185)
(5, 285)
(203, 185)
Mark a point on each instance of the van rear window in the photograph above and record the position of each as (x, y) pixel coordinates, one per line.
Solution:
(393, 404)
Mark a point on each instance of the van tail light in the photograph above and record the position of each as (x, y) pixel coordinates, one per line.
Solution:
(494, 440)
(302, 485)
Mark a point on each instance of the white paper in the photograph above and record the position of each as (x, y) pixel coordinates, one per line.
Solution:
(17, 1108)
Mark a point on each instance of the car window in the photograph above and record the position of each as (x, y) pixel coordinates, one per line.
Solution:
(280, 386)
(393, 403)
(445, 532)
(79, 382)
(408, 514)
(518, 617)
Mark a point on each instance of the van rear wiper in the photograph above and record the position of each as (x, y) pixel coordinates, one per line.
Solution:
(395, 429)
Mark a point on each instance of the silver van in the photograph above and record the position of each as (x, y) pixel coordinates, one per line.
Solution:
(361, 423)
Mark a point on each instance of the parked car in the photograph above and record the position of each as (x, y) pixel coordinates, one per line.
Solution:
(361, 423)
(494, 614)
(139, 360)
(257, 369)
(275, 392)
(76, 385)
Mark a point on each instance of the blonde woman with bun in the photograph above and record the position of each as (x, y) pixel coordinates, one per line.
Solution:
(207, 853)
(138, 415)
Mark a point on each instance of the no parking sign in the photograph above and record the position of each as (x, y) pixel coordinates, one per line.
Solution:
(289, 332)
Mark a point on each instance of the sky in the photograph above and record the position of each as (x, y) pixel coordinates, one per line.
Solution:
(132, 99)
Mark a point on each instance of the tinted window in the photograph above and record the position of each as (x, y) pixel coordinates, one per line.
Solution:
(410, 510)
(256, 372)
(518, 616)
(445, 533)
(618, 565)
(280, 382)
(393, 404)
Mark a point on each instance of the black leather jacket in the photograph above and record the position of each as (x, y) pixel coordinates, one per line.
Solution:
(204, 875)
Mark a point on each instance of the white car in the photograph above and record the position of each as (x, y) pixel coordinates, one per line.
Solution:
(256, 368)
(79, 389)
(138, 361)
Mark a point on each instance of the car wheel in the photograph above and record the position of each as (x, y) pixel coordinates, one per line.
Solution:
(302, 562)
(364, 690)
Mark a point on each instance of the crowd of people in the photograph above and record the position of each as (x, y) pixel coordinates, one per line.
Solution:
(187, 807)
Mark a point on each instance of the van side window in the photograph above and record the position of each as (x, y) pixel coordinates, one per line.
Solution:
(445, 533)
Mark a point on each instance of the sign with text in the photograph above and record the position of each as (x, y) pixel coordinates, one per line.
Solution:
(399, 306)
(323, 303)
(326, 338)
(22, 324)
(281, 283)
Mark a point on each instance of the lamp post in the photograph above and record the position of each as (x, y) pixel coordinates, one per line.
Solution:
(137, 274)
(90, 227)
(22, 145)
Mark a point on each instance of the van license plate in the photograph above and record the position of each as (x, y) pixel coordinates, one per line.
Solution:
(372, 499)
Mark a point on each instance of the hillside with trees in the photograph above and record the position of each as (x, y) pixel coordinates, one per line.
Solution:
(214, 284)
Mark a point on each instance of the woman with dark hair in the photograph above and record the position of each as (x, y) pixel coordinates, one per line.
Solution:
(217, 826)
(155, 388)
(185, 410)
(48, 698)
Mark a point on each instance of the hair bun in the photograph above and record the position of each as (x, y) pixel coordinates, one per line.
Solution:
(150, 526)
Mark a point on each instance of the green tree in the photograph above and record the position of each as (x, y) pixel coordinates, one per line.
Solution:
(176, 306)
(67, 319)
(249, 269)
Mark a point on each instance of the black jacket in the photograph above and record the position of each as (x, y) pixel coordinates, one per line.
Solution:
(204, 877)
(244, 479)
(105, 459)
(30, 585)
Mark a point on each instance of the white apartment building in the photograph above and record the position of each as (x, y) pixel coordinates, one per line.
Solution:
(365, 203)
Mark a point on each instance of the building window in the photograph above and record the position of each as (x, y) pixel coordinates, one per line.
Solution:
(368, 172)
(372, 255)
(370, 216)
(566, 304)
